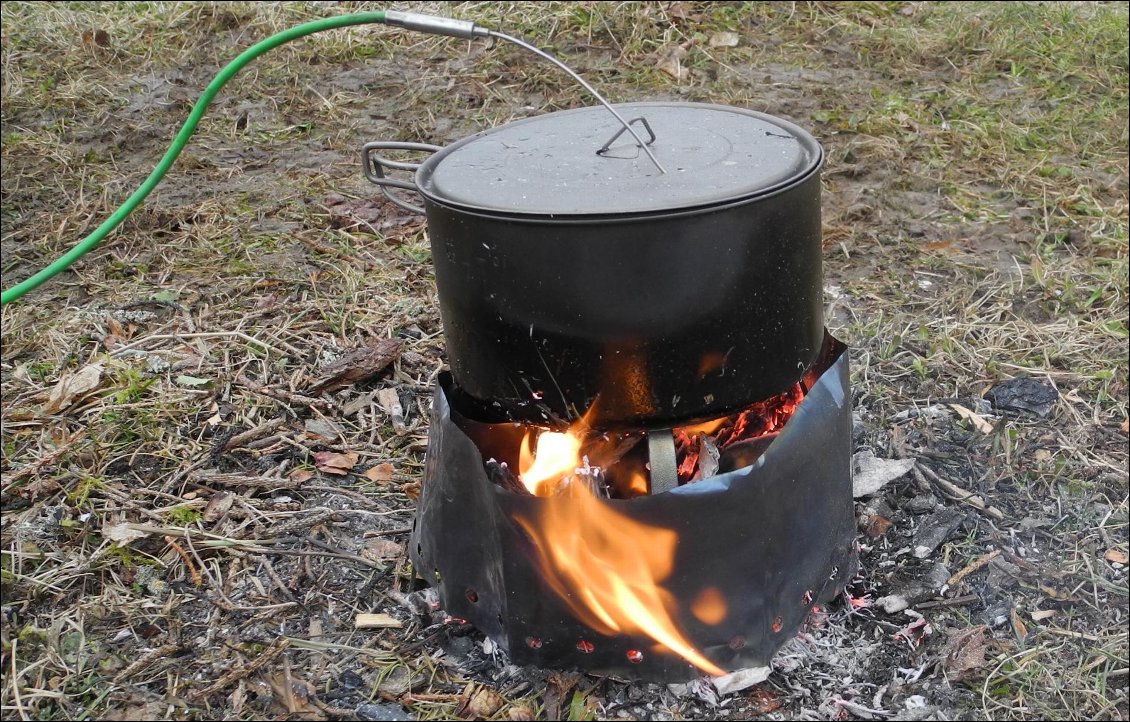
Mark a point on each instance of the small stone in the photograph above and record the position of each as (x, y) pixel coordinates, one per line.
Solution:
(915, 701)
(921, 504)
(892, 603)
(382, 712)
(935, 530)
(1023, 394)
(937, 577)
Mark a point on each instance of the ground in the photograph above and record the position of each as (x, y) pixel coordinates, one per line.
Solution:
(178, 544)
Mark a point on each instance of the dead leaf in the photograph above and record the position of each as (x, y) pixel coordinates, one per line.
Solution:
(98, 37)
(73, 388)
(724, 39)
(670, 62)
(381, 473)
(976, 419)
(1018, 625)
(218, 505)
(377, 549)
(964, 652)
(1117, 556)
(411, 490)
(1042, 614)
(376, 621)
(121, 533)
(1125, 426)
(878, 526)
(559, 684)
(680, 11)
(331, 462)
(520, 713)
(42, 486)
(478, 703)
(300, 475)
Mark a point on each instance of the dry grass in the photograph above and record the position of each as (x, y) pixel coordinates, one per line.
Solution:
(976, 228)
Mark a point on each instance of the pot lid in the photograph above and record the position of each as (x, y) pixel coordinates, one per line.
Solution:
(548, 165)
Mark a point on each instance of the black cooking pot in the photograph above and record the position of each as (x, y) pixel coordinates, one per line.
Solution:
(572, 271)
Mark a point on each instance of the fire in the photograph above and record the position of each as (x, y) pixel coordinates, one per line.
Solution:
(556, 456)
(607, 568)
(759, 419)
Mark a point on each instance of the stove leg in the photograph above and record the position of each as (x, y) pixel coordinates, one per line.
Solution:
(662, 461)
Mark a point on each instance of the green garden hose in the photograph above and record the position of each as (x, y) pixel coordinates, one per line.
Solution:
(410, 21)
(87, 244)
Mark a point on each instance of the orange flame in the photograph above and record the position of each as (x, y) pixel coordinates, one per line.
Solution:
(556, 456)
(607, 569)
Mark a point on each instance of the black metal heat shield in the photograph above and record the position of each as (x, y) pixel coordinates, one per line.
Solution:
(774, 538)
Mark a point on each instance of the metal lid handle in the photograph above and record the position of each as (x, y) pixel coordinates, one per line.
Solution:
(627, 126)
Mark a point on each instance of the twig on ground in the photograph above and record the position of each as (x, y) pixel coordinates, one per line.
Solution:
(242, 671)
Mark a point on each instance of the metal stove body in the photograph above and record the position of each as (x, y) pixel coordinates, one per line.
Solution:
(773, 538)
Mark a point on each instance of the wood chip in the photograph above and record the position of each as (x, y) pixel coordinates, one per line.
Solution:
(389, 400)
(357, 365)
(258, 432)
(976, 419)
(1042, 614)
(376, 621)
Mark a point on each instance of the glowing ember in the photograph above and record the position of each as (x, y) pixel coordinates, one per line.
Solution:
(759, 419)
(607, 568)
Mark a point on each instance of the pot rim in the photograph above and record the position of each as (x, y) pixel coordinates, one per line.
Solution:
(425, 169)
(623, 218)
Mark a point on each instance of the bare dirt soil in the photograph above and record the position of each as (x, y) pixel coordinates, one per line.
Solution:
(195, 512)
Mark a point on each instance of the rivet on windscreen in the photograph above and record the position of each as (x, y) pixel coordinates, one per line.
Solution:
(737, 642)
(635, 656)
(585, 646)
(777, 624)
(472, 595)
(533, 642)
